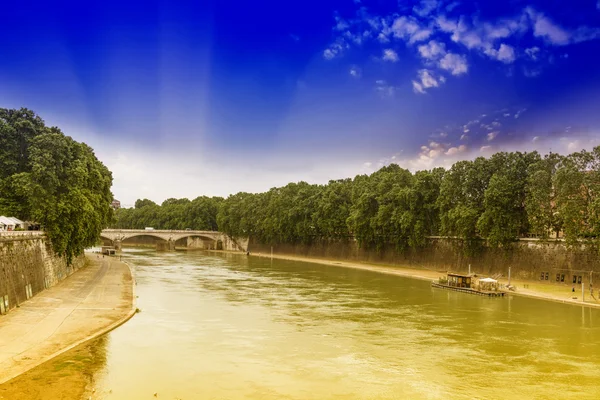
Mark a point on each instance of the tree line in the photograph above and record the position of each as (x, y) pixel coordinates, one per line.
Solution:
(175, 214)
(500, 199)
(49, 178)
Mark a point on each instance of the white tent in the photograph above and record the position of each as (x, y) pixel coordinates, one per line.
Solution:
(18, 223)
(488, 284)
(6, 223)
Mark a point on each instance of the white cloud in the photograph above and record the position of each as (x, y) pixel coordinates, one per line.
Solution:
(383, 38)
(390, 55)
(464, 136)
(544, 28)
(357, 38)
(409, 29)
(426, 80)
(535, 139)
(506, 54)
(432, 50)
(384, 89)
(355, 72)
(425, 7)
(556, 35)
(533, 52)
(574, 146)
(484, 149)
(341, 24)
(491, 136)
(329, 54)
(336, 49)
(518, 113)
(456, 150)
(435, 153)
(454, 63)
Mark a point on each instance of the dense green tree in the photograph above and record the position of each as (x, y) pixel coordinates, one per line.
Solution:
(504, 218)
(540, 200)
(500, 199)
(50, 178)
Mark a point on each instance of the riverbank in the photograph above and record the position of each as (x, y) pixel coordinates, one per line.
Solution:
(561, 293)
(89, 303)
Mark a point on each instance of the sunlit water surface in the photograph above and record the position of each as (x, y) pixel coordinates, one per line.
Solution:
(237, 327)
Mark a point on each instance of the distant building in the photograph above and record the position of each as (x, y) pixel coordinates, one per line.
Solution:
(116, 204)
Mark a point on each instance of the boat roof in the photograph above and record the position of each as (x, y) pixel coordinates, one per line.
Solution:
(459, 275)
(490, 280)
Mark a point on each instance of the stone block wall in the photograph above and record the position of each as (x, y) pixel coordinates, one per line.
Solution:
(27, 267)
(527, 259)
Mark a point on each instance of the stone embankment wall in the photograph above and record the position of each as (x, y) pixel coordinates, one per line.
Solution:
(27, 266)
(527, 259)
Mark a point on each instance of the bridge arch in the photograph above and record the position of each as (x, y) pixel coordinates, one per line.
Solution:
(198, 241)
(168, 238)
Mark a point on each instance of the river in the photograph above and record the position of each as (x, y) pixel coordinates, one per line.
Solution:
(237, 327)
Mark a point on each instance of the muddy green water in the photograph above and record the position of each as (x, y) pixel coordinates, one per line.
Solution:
(237, 327)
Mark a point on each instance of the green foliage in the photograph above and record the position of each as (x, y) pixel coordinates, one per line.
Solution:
(500, 199)
(540, 200)
(175, 214)
(50, 178)
(504, 219)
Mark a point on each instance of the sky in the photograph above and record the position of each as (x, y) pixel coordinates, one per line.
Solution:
(190, 98)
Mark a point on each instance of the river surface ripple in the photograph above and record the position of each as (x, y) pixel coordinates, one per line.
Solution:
(236, 327)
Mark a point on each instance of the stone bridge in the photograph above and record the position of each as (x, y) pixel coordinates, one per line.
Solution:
(211, 240)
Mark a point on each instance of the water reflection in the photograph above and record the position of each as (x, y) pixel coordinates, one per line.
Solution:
(244, 327)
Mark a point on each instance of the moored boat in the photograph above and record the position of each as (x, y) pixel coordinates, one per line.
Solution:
(466, 284)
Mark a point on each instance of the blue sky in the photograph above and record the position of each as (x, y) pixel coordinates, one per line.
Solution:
(217, 97)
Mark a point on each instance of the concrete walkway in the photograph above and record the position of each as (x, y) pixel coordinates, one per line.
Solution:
(90, 302)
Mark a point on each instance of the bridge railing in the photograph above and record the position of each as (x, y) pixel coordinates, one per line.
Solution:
(158, 231)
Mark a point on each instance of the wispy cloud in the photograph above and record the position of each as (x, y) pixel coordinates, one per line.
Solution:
(410, 29)
(390, 55)
(533, 52)
(355, 72)
(426, 80)
(384, 89)
(336, 49)
(545, 28)
(556, 35)
(425, 7)
(443, 41)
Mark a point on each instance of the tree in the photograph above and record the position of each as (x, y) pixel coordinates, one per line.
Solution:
(52, 179)
(540, 201)
(504, 218)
